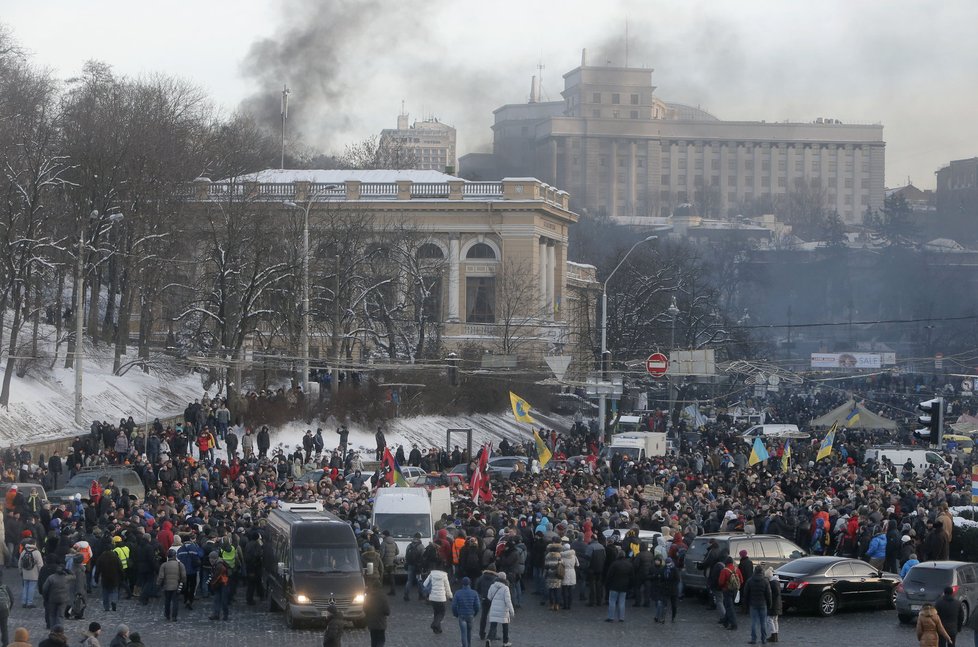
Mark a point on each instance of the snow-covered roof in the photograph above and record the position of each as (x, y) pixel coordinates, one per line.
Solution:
(944, 245)
(339, 176)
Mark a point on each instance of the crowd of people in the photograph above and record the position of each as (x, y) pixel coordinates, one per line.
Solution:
(563, 534)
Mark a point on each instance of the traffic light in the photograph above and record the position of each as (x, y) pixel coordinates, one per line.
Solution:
(932, 420)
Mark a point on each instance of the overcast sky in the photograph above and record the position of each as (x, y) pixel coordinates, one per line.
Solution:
(908, 65)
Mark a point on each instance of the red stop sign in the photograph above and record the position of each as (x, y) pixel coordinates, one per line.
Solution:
(657, 364)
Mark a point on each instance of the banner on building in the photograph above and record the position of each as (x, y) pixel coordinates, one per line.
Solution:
(847, 360)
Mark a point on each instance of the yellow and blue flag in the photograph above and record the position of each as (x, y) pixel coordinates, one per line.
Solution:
(758, 454)
(825, 449)
(521, 408)
(853, 416)
(543, 452)
(786, 456)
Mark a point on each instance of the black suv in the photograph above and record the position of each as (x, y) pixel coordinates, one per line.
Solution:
(925, 583)
(764, 550)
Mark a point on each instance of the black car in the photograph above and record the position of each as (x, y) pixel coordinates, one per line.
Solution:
(827, 584)
(764, 550)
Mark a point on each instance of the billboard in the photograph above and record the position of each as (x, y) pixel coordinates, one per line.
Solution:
(847, 360)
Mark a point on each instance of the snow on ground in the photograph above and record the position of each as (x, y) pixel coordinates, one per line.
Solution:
(423, 431)
(42, 403)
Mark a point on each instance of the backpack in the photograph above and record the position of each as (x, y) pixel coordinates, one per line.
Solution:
(560, 569)
(27, 561)
(734, 581)
(77, 610)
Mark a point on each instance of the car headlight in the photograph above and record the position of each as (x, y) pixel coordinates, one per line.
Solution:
(301, 599)
(359, 598)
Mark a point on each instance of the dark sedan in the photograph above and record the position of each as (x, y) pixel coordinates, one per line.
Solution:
(826, 584)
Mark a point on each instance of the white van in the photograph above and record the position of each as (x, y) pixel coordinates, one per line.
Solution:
(405, 511)
(636, 445)
(774, 432)
(922, 458)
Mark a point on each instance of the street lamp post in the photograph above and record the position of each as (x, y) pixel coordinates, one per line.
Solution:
(79, 312)
(673, 312)
(304, 333)
(602, 398)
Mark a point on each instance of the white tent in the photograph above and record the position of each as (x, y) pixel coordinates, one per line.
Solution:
(866, 420)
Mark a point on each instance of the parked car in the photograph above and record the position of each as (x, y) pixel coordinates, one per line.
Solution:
(25, 489)
(826, 584)
(764, 550)
(502, 467)
(925, 583)
(123, 477)
(570, 403)
(436, 479)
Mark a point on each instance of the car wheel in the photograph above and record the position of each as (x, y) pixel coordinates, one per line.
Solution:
(290, 621)
(892, 602)
(828, 604)
(905, 618)
(964, 615)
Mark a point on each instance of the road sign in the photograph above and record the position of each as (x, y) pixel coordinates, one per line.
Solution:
(657, 364)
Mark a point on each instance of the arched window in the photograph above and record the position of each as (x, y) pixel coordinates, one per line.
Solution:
(480, 251)
(430, 251)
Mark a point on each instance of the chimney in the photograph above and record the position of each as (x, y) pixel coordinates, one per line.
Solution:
(402, 121)
(584, 57)
(534, 90)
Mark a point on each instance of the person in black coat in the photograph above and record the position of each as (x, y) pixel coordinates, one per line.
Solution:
(376, 608)
(951, 613)
(55, 468)
(263, 442)
(618, 581)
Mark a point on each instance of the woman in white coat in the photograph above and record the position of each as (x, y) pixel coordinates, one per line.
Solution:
(439, 592)
(501, 609)
(569, 559)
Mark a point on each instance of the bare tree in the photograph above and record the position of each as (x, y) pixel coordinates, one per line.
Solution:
(518, 314)
(378, 153)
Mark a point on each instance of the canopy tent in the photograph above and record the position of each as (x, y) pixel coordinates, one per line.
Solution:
(966, 424)
(866, 419)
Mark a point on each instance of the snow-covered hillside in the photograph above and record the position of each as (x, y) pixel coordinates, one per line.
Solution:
(42, 404)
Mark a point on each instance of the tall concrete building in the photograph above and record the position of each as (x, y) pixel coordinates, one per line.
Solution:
(620, 150)
(429, 142)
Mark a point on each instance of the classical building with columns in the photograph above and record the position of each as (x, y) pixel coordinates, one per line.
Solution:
(493, 242)
(622, 151)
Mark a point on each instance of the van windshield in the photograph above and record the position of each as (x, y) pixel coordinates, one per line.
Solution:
(403, 526)
(325, 559)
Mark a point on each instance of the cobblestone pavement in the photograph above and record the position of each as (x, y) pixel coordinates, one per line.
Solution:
(533, 626)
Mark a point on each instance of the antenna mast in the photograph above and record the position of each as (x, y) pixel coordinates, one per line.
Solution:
(285, 116)
(626, 42)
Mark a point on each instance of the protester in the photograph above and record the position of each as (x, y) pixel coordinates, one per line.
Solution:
(439, 593)
(376, 608)
(465, 606)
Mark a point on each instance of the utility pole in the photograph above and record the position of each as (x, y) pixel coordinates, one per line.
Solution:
(334, 386)
(285, 116)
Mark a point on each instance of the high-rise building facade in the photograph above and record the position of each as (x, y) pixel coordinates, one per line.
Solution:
(620, 150)
(429, 144)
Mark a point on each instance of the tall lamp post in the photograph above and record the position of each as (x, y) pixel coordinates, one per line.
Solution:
(602, 397)
(80, 312)
(304, 334)
(673, 312)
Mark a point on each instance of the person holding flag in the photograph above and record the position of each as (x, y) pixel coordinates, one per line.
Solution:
(480, 485)
(786, 456)
(758, 454)
(825, 449)
(543, 452)
(392, 471)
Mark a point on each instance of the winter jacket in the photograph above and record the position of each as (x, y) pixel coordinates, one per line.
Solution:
(58, 587)
(595, 557)
(951, 613)
(877, 547)
(776, 606)
(388, 552)
(172, 575)
(190, 555)
(929, 629)
(757, 592)
(31, 574)
(500, 603)
(619, 577)
(910, 563)
(375, 611)
(108, 569)
(465, 604)
(441, 590)
(550, 563)
(569, 559)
